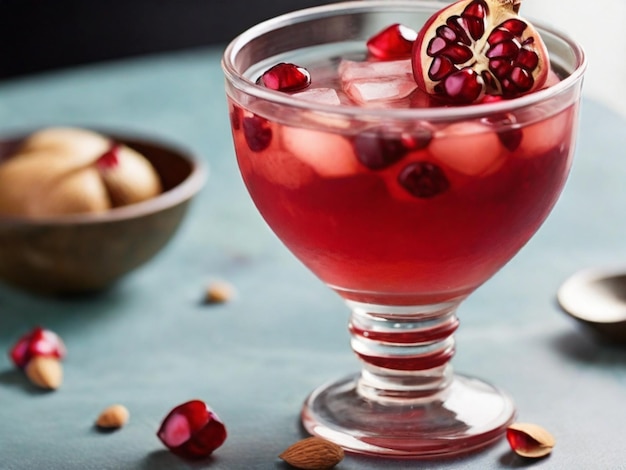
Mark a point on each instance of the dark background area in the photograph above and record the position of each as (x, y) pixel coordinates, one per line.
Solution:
(39, 35)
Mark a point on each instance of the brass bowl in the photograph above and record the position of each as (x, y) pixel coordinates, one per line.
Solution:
(81, 253)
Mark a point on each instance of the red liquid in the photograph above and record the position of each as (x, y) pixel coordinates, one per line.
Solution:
(363, 233)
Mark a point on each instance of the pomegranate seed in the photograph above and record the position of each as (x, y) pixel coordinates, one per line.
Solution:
(110, 158)
(500, 35)
(515, 26)
(474, 14)
(38, 342)
(458, 54)
(192, 430)
(286, 77)
(257, 132)
(440, 68)
(464, 86)
(394, 42)
(504, 49)
(423, 180)
(377, 151)
(459, 25)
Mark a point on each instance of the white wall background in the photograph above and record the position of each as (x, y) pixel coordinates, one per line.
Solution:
(600, 27)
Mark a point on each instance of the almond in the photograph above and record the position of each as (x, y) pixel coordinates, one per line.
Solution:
(45, 372)
(219, 292)
(115, 416)
(313, 453)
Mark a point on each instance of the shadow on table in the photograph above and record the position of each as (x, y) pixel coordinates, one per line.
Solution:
(164, 460)
(511, 460)
(17, 379)
(21, 311)
(586, 349)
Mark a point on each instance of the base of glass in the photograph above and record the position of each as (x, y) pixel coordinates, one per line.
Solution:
(467, 415)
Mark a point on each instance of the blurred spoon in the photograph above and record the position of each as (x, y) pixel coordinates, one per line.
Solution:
(596, 298)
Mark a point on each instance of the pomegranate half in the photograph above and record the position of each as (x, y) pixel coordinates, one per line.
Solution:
(474, 48)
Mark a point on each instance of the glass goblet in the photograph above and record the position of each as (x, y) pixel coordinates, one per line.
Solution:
(403, 210)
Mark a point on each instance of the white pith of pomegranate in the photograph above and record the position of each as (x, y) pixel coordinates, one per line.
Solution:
(477, 47)
(470, 148)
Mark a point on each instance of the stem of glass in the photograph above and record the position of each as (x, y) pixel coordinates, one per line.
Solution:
(405, 351)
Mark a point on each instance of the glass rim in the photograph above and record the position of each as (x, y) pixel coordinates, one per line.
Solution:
(355, 111)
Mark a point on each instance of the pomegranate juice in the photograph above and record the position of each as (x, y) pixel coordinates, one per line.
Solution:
(406, 211)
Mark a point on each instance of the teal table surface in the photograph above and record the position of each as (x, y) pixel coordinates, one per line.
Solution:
(150, 343)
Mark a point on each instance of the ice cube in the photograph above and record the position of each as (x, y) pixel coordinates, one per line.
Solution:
(320, 95)
(546, 134)
(469, 148)
(382, 90)
(350, 70)
(330, 155)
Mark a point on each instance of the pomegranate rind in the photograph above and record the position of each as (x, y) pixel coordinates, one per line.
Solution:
(468, 80)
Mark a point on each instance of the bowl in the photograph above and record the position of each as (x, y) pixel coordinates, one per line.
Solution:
(82, 253)
(596, 299)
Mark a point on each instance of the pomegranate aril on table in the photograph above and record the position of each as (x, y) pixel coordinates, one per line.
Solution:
(37, 343)
(39, 354)
(192, 430)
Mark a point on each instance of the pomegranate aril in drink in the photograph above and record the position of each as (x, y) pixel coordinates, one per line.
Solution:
(377, 150)
(257, 132)
(192, 430)
(394, 42)
(286, 77)
(477, 47)
(37, 343)
(423, 180)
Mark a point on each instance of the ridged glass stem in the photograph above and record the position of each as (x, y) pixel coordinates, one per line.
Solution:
(405, 351)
